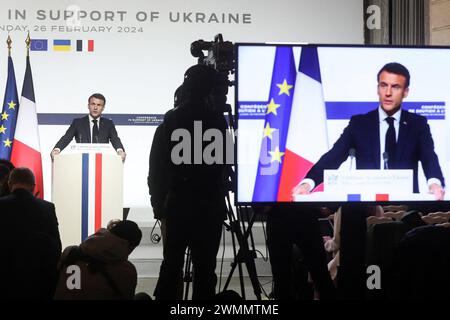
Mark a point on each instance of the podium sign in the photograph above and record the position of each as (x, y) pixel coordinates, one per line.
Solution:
(87, 190)
(104, 148)
(368, 181)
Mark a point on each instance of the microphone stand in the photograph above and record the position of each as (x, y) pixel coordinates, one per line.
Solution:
(385, 159)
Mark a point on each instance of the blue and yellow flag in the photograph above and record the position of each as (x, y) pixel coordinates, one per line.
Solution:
(61, 45)
(8, 117)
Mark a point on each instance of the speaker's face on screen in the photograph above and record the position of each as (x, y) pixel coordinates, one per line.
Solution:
(96, 107)
(391, 91)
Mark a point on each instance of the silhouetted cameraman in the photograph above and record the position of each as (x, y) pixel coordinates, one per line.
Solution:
(194, 203)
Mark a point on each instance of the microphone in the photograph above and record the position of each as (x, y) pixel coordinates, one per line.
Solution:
(351, 154)
(385, 159)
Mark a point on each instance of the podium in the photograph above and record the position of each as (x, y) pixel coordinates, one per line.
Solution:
(87, 190)
(367, 185)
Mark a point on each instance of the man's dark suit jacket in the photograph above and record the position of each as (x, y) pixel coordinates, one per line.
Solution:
(30, 246)
(81, 130)
(414, 144)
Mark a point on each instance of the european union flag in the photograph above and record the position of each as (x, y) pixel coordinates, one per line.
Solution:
(276, 126)
(39, 45)
(8, 116)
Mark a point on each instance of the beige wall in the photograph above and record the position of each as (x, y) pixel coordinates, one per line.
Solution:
(439, 22)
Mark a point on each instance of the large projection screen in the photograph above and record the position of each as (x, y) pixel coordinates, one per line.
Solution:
(294, 103)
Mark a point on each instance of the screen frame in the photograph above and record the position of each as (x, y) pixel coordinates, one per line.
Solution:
(443, 205)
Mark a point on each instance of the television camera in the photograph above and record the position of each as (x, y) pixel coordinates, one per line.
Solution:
(220, 56)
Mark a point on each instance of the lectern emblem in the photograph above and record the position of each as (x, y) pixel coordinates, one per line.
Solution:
(332, 179)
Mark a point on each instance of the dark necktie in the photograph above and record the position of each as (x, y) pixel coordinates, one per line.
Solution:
(95, 131)
(391, 144)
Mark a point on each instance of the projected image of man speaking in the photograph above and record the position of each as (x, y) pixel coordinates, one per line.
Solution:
(385, 138)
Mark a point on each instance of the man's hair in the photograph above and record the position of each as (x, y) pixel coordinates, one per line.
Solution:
(21, 176)
(97, 96)
(4, 172)
(127, 230)
(396, 68)
(7, 163)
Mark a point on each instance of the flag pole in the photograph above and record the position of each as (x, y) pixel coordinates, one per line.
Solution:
(27, 42)
(8, 42)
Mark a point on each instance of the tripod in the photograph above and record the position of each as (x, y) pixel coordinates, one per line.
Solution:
(241, 234)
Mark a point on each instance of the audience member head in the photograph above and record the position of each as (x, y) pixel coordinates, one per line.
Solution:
(127, 230)
(21, 178)
(413, 218)
(142, 296)
(112, 223)
(7, 163)
(4, 175)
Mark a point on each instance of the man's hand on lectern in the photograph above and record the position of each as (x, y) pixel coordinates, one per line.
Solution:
(303, 188)
(122, 154)
(437, 190)
(54, 153)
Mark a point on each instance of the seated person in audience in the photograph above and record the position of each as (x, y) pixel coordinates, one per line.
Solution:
(421, 264)
(4, 175)
(297, 226)
(7, 163)
(333, 245)
(98, 269)
(5, 168)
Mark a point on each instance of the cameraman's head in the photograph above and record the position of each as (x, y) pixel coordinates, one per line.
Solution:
(199, 80)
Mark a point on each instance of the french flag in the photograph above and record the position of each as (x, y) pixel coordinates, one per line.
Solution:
(26, 151)
(307, 138)
(91, 194)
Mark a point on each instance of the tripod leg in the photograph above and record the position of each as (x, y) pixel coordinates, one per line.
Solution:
(250, 256)
(244, 254)
(187, 279)
(236, 261)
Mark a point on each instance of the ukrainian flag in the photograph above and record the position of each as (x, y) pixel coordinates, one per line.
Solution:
(61, 45)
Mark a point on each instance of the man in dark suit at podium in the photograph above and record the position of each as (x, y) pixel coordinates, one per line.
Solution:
(92, 128)
(385, 138)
